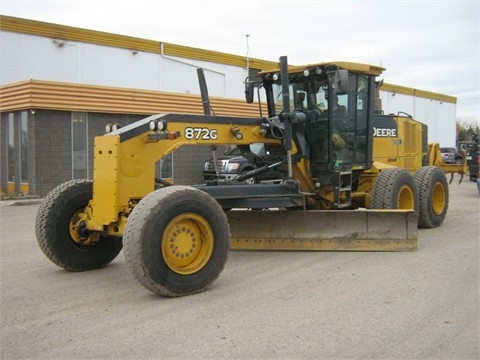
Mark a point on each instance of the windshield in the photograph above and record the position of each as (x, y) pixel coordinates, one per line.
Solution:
(336, 124)
(312, 95)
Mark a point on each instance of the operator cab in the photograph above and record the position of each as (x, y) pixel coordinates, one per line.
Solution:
(337, 100)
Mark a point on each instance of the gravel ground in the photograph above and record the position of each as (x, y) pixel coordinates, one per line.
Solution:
(265, 305)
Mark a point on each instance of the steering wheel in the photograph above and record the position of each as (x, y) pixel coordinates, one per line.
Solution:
(338, 141)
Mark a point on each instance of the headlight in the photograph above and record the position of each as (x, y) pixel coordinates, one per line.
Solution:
(157, 125)
(232, 167)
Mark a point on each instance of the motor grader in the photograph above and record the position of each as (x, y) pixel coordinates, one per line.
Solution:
(176, 239)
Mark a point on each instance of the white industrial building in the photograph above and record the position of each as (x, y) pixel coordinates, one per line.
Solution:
(72, 80)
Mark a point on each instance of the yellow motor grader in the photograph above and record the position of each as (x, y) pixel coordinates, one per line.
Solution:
(318, 132)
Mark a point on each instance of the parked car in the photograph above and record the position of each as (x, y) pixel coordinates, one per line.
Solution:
(452, 155)
(233, 163)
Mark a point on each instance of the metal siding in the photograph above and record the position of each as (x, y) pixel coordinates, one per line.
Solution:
(438, 115)
(107, 66)
(55, 31)
(397, 89)
(395, 102)
(181, 78)
(35, 94)
(180, 75)
(214, 56)
(93, 64)
(440, 118)
(35, 57)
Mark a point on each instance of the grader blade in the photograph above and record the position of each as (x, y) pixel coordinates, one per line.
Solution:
(330, 230)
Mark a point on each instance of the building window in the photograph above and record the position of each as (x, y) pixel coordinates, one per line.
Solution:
(79, 145)
(11, 147)
(24, 147)
(17, 151)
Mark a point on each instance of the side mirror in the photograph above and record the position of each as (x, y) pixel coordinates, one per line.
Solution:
(341, 82)
(249, 92)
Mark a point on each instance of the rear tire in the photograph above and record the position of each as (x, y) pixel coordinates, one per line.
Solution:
(59, 231)
(176, 241)
(433, 196)
(395, 188)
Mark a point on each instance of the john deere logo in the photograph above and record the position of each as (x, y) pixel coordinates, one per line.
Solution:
(384, 132)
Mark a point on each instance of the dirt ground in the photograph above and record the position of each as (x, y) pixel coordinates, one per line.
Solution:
(265, 305)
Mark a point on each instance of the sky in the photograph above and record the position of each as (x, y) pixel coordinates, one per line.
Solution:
(427, 45)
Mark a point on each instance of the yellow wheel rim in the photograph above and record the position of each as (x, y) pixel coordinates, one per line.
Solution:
(405, 198)
(187, 243)
(78, 231)
(75, 227)
(438, 198)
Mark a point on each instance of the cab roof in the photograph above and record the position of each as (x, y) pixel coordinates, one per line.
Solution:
(350, 66)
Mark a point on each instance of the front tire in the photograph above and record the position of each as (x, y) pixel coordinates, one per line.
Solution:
(433, 196)
(176, 241)
(61, 231)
